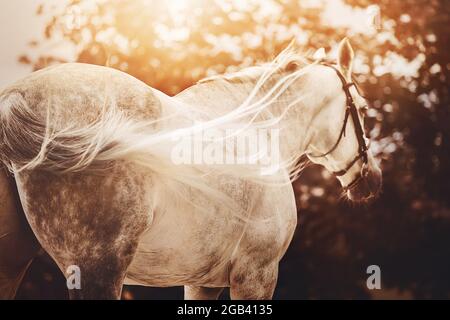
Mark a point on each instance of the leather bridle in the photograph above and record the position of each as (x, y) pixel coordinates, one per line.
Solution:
(350, 110)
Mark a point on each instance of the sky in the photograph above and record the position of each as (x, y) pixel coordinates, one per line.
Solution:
(20, 25)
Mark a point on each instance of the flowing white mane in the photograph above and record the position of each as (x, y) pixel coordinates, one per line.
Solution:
(115, 137)
(289, 58)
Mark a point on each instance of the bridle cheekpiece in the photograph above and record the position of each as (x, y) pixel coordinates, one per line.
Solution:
(350, 110)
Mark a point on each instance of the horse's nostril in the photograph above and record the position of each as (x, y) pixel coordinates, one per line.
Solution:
(367, 187)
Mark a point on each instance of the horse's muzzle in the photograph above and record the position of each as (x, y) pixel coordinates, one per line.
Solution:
(366, 188)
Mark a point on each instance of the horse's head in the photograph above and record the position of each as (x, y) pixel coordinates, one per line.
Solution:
(338, 141)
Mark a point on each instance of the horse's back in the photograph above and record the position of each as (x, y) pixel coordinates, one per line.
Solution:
(77, 93)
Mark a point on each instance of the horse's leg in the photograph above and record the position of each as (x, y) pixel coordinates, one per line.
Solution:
(201, 293)
(254, 266)
(18, 246)
(10, 279)
(90, 223)
(253, 280)
(101, 277)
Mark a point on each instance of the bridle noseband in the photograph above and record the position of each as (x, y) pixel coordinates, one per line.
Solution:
(350, 110)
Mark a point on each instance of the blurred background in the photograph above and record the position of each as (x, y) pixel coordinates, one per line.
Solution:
(402, 62)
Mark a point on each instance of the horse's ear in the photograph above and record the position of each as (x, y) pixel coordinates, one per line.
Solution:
(345, 58)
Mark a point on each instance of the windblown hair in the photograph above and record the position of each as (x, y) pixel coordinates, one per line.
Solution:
(26, 143)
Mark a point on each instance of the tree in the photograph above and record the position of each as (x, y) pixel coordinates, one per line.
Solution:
(403, 68)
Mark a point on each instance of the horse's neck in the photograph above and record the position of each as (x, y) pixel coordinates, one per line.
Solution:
(218, 97)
